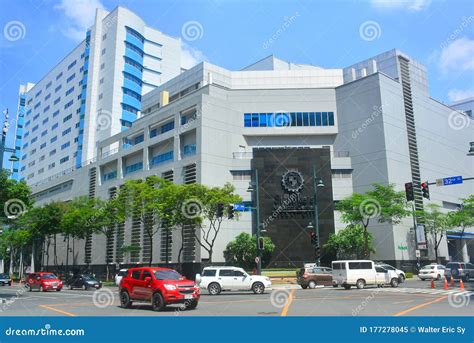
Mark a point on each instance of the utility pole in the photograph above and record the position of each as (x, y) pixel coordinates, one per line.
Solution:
(317, 182)
(253, 188)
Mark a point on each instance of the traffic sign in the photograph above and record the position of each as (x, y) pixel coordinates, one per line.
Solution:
(257, 259)
(418, 253)
(239, 207)
(446, 181)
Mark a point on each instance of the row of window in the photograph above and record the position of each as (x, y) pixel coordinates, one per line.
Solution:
(297, 119)
(162, 158)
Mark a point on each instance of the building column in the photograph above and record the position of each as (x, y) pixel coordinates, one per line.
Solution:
(119, 168)
(146, 164)
(464, 254)
(2, 266)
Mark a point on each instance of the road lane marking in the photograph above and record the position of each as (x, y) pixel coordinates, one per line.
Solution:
(403, 302)
(57, 310)
(284, 312)
(419, 306)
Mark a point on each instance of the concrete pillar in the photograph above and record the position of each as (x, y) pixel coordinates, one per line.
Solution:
(2, 266)
(464, 254)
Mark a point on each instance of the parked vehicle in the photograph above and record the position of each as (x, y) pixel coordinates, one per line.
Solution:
(432, 271)
(400, 273)
(43, 281)
(5, 279)
(84, 281)
(158, 286)
(459, 270)
(360, 273)
(314, 276)
(218, 279)
(120, 275)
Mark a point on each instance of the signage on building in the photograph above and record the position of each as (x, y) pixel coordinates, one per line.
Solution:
(452, 180)
(420, 237)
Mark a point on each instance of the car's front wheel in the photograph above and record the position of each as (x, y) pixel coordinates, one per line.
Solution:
(360, 284)
(125, 301)
(394, 282)
(214, 288)
(258, 288)
(312, 284)
(304, 286)
(467, 278)
(157, 302)
(401, 278)
(191, 305)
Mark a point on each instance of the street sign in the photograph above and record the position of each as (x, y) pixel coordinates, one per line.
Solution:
(239, 207)
(257, 259)
(420, 236)
(417, 253)
(446, 181)
(402, 247)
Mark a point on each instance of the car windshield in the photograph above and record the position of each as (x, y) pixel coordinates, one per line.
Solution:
(428, 267)
(4, 276)
(48, 276)
(386, 266)
(89, 278)
(167, 275)
(123, 273)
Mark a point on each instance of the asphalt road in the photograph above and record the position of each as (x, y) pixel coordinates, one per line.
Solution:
(413, 298)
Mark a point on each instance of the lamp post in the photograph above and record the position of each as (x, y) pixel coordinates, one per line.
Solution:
(3, 147)
(253, 188)
(317, 183)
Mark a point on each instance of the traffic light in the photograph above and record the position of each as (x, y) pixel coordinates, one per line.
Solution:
(425, 189)
(230, 212)
(314, 239)
(220, 210)
(261, 243)
(409, 191)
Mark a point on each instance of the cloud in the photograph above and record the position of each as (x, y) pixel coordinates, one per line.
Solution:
(190, 56)
(80, 15)
(412, 5)
(459, 94)
(457, 56)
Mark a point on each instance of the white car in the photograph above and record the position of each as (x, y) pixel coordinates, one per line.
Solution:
(432, 271)
(120, 275)
(361, 273)
(400, 273)
(218, 279)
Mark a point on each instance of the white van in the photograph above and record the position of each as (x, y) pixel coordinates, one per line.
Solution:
(360, 273)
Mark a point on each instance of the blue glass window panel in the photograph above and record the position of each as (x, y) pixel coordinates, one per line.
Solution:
(167, 127)
(305, 119)
(293, 118)
(255, 119)
(161, 158)
(331, 118)
(139, 139)
(270, 120)
(325, 119)
(299, 119)
(312, 121)
(263, 120)
(247, 120)
(318, 118)
(189, 149)
(153, 133)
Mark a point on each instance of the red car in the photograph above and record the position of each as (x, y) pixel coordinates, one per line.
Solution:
(43, 281)
(158, 286)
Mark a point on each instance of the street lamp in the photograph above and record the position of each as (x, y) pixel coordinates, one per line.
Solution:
(253, 188)
(317, 183)
(3, 148)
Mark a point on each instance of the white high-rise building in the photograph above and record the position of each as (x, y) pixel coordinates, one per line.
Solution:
(93, 93)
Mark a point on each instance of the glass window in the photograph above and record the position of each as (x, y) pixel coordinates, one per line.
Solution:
(255, 119)
(270, 120)
(338, 265)
(226, 272)
(312, 121)
(263, 120)
(293, 118)
(299, 119)
(360, 265)
(145, 274)
(331, 118)
(325, 119)
(305, 119)
(209, 272)
(318, 119)
(247, 120)
(167, 275)
(136, 274)
(238, 273)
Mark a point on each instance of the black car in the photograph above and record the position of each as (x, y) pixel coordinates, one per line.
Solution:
(84, 281)
(5, 280)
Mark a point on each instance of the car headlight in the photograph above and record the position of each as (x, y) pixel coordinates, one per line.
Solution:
(170, 287)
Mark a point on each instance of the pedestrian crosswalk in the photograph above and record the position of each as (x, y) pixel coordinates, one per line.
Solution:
(454, 292)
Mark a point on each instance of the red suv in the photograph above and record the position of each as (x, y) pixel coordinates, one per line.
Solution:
(43, 282)
(159, 286)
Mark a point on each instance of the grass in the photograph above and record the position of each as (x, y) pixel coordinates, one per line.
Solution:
(280, 272)
(409, 275)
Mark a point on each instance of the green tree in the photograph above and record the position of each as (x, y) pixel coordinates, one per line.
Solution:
(436, 224)
(349, 243)
(382, 204)
(15, 198)
(243, 250)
